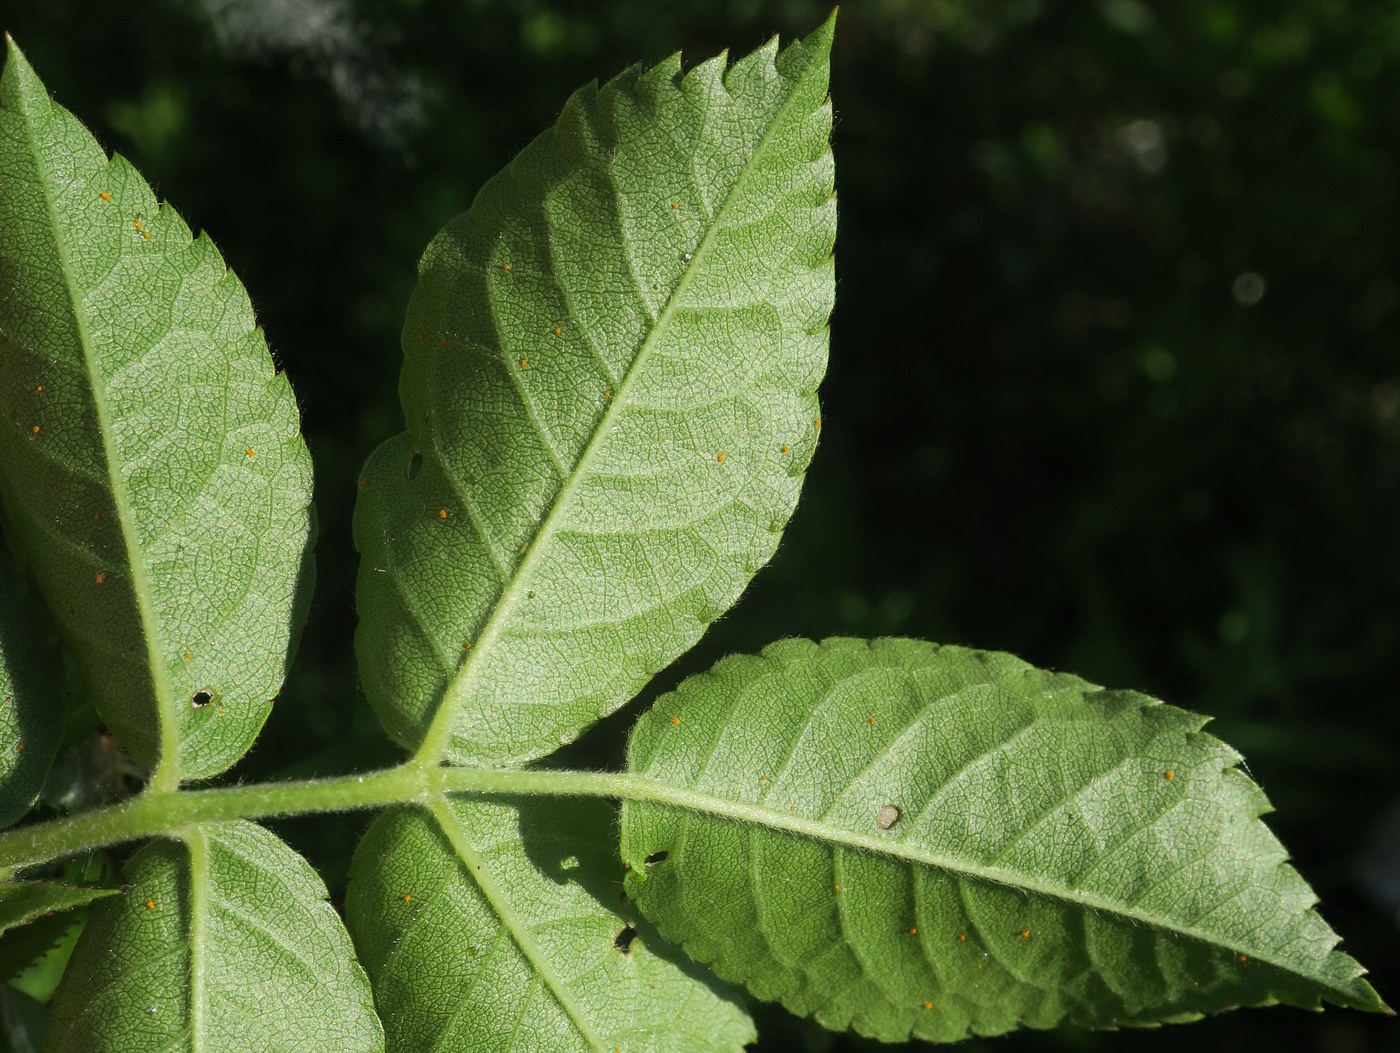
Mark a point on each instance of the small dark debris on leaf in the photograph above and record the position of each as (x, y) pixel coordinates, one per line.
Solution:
(623, 940)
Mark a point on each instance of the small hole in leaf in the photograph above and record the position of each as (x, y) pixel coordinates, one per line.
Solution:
(623, 940)
(657, 857)
(415, 465)
(201, 698)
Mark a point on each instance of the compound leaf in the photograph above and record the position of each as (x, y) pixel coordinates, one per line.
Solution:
(151, 462)
(223, 941)
(31, 693)
(609, 387)
(919, 840)
(500, 925)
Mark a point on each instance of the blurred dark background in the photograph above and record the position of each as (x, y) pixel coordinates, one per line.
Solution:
(1113, 386)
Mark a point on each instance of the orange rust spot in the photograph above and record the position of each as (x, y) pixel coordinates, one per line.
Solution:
(675, 205)
(1025, 934)
(442, 513)
(817, 423)
(836, 887)
(505, 266)
(763, 778)
(1244, 957)
(35, 429)
(138, 224)
(188, 655)
(676, 722)
(40, 389)
(558, 329)
(1169, 774)
(719, 457)
(468, 645)
(101, 577)
(19, 748)
(962, 937)
(150, 904)
(872, 722)
(146, 234)
(364, 480)
(607, 394)
(105, 196)
(408, 897)
(248, 453)
(913, 930)
(524, 363)
(928, 1005)
(96, 517)
(787, 449)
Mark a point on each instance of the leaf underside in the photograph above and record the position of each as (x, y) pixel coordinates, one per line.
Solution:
(501, 926)
(23, 901)
(31, 696)
(151, 462)
(222, 942)
(936, 842)
(609, 388)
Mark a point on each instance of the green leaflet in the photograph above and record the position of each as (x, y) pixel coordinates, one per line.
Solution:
(24, 901)
(501, 925)
(609, 387)
(222, 942)
(151, 463)
(1059, 853)
(34, 916)
(31, 696)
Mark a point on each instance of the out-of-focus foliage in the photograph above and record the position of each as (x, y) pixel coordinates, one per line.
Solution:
(1115, 374)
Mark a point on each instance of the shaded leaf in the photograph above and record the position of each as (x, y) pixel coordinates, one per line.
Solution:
(224, 941)
(31, 696)
(151, 462)
(918, 840)
(609, 387)
(500, 925)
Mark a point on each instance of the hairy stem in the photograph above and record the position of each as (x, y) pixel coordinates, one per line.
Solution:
(158, 813)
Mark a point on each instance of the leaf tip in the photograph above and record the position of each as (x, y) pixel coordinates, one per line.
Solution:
(820, 38)
(15, 62)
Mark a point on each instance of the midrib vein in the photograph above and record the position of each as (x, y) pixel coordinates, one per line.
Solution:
(167, 773)
(439, 734)
(199, 937)
(485, 878)
(696, 802)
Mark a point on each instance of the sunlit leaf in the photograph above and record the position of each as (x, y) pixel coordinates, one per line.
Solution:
(908, 839)
(151, 462)
(609, 393)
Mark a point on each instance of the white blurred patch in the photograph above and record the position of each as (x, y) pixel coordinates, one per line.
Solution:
(385, 104)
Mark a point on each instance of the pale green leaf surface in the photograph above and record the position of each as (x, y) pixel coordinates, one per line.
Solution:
(609, 386)
(151, 461)
(1043, 867)
(494, 926)
(31, 696)
(222, 942)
